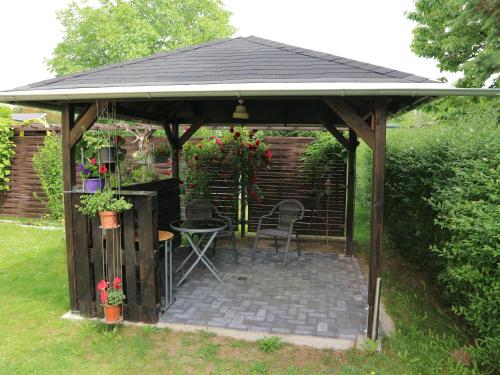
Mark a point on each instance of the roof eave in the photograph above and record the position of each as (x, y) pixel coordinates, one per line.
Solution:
(246, 90)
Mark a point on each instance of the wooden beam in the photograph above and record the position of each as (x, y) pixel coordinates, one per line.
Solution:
(377, 216)
(69, 180)
(189, 133)
(338, 135)
(351, 183)
(170, 135)
(85, 120)
(352, 119)
(175, 151)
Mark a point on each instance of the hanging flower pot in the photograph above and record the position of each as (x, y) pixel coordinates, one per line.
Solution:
(112, 314)
(91, 185)
(108, 155)
(109, 219)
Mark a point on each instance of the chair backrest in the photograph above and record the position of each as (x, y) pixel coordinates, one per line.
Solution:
(198, 209)
(289, 210)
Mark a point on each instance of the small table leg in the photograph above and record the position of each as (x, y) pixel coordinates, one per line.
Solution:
(201, 256)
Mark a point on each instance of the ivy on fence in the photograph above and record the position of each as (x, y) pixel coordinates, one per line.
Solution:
(6, 152)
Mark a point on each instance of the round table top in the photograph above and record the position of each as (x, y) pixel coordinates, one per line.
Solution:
(198, 226)
(164, 235)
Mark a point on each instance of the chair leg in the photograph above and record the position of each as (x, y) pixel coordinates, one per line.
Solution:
(276, 244)
(286, 249)
(214, 245)
(235, 252)
(298, 243)
(254, 250)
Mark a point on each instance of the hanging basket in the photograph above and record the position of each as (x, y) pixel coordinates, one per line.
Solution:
(109, 219)
(108, 155)
(112, 314)
(91, 185)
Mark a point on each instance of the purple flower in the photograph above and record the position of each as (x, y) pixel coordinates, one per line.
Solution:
(86, 171)
(80, 167)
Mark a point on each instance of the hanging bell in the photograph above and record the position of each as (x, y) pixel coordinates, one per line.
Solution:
(241, 110)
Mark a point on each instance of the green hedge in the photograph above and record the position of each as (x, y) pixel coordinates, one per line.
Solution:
(6, 152)
(47, 163)
(442, 213)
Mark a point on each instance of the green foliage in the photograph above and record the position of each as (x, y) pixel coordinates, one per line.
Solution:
(92, 204)
(6, 151)
(319, 159)
(162, 149)
(461, 34)
(5, 111)
(442, 214)
(115, 297)
(120, 30)
(270, 344)
(47, 163)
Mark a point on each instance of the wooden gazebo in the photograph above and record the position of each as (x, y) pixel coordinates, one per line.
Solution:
(200, 85)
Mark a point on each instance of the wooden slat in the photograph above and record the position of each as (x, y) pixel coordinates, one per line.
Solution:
(131, 308)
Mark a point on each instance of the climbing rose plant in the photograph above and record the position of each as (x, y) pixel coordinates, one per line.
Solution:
(237, 152)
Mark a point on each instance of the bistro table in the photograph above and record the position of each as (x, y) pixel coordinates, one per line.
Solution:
(207, 227)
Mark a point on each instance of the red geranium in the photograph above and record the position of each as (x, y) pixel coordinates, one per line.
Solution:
(218, 141)
(269, 154)
(104, 296)
(237, 134)
(103, 169)
(93, 161)
(102, 285)
(257, 142)
(117, 283)
(231, 129)
(253, 179)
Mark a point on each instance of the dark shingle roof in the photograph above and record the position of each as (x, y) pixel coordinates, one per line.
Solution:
(239, 60)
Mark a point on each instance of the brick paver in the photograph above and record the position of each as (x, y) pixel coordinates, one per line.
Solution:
(318, 294)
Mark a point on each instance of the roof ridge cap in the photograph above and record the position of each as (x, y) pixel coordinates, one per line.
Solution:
(131, 62)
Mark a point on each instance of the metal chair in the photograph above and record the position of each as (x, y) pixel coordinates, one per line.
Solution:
(289, 212)
(202, 209)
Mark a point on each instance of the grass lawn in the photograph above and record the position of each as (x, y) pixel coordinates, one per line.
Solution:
(35, 340)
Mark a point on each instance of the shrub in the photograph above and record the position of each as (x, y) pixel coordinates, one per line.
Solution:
(6, 152)
(442, 214)
(47, 163)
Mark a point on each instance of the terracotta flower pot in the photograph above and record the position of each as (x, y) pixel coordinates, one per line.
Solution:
(112, 314)
(109, 219)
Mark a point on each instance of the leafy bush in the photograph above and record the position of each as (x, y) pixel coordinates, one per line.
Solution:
(47, 162)
(6, 152)
(442, 214)
(319, 159)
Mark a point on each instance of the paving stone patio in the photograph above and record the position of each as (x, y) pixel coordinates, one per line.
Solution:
(318, 294)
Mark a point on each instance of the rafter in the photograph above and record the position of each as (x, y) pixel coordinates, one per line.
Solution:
(189, 133)
(352, 119)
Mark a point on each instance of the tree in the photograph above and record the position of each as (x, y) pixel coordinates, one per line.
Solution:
(463, 35)
(119, 30)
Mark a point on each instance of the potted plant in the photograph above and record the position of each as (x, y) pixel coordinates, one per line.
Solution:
(93, 175)
(106, 205)
(161, 153)
(111, 297)
(109, 148)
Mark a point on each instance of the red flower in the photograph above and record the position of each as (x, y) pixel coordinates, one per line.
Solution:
(231, 129)
(181, 182)
(269, 154)
(192, 186)
(253, 194)
(253, 179)
(218, 141)
(102, 285)
(103, 169)
(237, 134)
(200, 146)
(104, 296)
(196, 157)
(117, 283)
(93, 161)
(118, 139)
(257, 142)
(169, 172)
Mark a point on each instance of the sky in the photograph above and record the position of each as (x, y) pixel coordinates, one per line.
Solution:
(372, 31)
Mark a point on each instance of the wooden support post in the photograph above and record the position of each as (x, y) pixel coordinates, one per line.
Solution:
(377, 217)
(175, 151)
(69, 181)
(351, 185)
